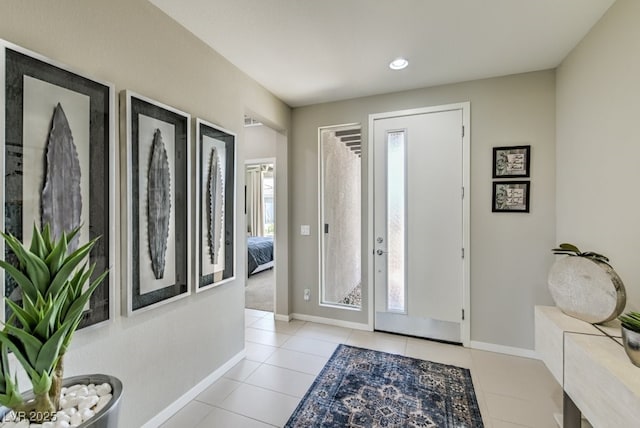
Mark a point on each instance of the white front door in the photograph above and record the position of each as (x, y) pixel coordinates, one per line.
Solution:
(419, 222)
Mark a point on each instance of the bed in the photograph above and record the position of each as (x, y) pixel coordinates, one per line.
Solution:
(260, 253)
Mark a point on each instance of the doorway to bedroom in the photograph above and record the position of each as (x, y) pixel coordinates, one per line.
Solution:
(260, 180)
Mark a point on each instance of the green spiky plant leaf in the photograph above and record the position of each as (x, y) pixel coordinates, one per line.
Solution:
(631, 321)
(571, 250)
(41, 326)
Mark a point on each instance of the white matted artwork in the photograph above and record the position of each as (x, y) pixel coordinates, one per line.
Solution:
(147, 127)
(156, 256)
(38, 95)
(215, 193)
(40, 100)
(214, 164)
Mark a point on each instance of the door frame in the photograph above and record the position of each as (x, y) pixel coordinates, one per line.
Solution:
(260, 161)
(465, 326)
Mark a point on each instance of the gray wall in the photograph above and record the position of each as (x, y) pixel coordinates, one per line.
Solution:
(162, 353)
(598, 87)
(510, 253)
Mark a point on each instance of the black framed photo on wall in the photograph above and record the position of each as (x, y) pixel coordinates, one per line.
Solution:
(58, 149)
(156, 196)
(511, 196)
(215, 203)
(511, 162)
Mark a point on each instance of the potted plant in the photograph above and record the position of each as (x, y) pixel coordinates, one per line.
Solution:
(631, 335)
(41, 326)
(585, 286)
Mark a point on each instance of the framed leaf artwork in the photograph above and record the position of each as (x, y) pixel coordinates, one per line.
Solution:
(156, 197)
(58, 145)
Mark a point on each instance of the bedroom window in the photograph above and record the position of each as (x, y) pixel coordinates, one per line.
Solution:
(340, 192)
(267, 200)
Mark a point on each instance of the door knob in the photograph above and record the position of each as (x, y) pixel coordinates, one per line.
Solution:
(381, 252)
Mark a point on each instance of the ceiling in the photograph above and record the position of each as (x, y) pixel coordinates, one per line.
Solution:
(314, 51)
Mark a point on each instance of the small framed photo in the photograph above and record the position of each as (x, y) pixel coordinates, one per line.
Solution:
(511, 162)
(511, 196)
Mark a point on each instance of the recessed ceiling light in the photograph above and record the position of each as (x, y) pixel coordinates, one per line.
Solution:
(398, 64)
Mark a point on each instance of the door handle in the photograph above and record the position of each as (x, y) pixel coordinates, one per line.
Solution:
(381, 252)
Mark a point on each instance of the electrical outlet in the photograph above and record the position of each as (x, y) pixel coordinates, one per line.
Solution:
(305, 230)
(307, 294)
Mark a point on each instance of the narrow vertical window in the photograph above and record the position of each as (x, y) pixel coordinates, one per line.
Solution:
(340, 216)
(396, 221)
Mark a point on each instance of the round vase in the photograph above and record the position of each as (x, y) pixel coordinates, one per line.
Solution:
(587, 289)
(107, 417)
(631, 341)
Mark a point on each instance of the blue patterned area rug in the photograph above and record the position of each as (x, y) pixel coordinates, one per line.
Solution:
(365, 388)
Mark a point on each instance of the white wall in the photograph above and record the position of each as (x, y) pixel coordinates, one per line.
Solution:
(160, 354)
(598, 109)
(259, 142)
(510, 254)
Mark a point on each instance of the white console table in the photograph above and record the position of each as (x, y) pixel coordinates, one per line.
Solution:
(590, 364)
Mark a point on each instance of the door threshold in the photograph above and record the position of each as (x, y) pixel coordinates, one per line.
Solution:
(446, 342)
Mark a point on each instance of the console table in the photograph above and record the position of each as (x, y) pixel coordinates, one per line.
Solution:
(590, 364)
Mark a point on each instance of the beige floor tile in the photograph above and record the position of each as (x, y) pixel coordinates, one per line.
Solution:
(242, 370)
(378, 341)
(519, 411)
(328, 333)
(257, 313)
(265, 337)
(220, 418)
(189, 416)
(497, 423)
(482, 405)
(258, 403)
(513, 376)
(217, 392)
(439, 352)
(281, 380)
(250, 320)
(290, 327)
(283, 359)
(308, 345)
(298, 361)
(258, 352)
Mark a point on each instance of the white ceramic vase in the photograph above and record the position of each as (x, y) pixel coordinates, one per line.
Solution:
(587, 289)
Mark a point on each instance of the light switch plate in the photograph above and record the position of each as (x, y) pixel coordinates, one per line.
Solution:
(305, 229)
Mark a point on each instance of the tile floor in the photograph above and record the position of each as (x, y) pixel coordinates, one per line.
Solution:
(284, 358)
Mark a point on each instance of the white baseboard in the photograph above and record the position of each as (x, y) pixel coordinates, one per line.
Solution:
(174, 407)
(278, 317)
(331, 321)
(501, 349)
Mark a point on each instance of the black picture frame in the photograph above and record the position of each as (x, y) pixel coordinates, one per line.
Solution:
(511, 162)
(20, 176)
(208, 137)
(141, 114)
(511, 196)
